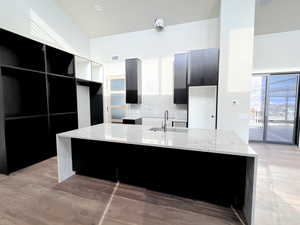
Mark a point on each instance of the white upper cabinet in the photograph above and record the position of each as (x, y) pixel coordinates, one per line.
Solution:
(97, 72)
(83, 68)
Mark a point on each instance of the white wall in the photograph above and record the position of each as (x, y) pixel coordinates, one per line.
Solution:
(277, 52)
(156, 49)
(150, 43)
(236, 62)
(44, 21)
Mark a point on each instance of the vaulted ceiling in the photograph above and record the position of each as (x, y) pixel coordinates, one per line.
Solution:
(107, 17)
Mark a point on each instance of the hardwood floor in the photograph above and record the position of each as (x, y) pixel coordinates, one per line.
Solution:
(133, 205)
(33, 196)
(278, 185)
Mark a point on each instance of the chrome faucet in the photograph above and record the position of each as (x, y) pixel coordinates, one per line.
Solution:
(166, 118)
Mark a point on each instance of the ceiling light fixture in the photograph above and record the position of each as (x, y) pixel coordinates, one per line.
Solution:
(159, 24)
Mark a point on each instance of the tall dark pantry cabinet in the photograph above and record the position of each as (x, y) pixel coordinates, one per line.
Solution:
(37, 100)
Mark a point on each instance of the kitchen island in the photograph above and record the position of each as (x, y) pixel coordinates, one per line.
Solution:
(207, 165)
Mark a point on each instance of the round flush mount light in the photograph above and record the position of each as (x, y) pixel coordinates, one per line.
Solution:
(98, 6)
(159, 24)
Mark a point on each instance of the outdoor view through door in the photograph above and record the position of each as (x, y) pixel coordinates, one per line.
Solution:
(273, 108)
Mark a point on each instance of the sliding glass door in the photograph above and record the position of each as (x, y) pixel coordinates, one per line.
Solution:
(282, 108)
(257, 108)
(274, 108)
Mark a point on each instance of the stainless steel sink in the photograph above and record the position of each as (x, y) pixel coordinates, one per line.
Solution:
(156, 129)
(171, 129)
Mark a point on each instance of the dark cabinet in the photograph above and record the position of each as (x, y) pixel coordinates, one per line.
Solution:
(133, 81)
(20, 52)
(60, 123)
(26, 141)
(36, 101)
(203, 67)
(180, 78)
(134, 166)
(99, 164)
(134, 121)
(62, 94)
(60, 62)
(24, 92)
(96, 104)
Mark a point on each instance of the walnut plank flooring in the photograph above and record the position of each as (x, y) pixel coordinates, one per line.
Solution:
(32, 196)
(132, 205)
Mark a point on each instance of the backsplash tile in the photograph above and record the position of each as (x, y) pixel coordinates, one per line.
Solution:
(154, 106)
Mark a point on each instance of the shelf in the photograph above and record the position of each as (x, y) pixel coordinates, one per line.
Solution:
(69, 123)
(26, 142)
(59, 62)
(62, 95)
(58, 75)
(25, 117)
(21, 52)
(63, 122)
(60, 124)
(97, 72)
(83, 68)
(87, 82)
(62, 114)
(24, 93)
(38, 100)
(22, 69)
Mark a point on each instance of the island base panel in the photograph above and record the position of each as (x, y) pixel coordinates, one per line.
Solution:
(64, 158)
(91, 159)
(211, 177)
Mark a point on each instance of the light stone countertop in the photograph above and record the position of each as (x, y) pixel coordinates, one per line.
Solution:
(214, 141)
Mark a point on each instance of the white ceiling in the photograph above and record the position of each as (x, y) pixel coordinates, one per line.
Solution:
(120, 16)
(274, 16)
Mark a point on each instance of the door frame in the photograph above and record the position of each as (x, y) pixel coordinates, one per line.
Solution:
(296, 131)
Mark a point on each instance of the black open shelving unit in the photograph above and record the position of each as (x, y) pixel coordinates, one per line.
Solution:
(37, 100)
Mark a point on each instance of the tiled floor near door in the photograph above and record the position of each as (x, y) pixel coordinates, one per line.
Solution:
(33, 197)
